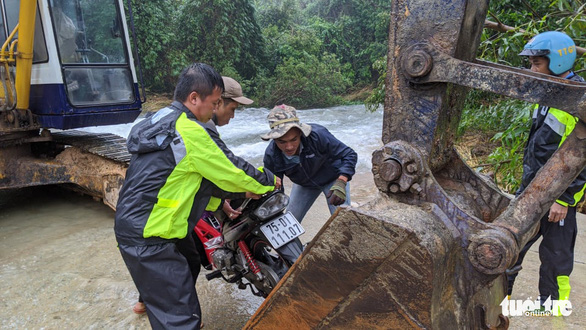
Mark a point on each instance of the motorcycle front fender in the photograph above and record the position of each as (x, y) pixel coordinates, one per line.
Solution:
(291, 251)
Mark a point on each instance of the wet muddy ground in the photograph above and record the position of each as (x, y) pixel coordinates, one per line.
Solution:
(60, 269)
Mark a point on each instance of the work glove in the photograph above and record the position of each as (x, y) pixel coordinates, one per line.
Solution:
(337, 194)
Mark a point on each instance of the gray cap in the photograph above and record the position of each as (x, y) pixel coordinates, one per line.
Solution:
(233, 90)
(281, 119)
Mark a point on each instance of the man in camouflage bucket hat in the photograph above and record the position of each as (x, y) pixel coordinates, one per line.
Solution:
(281, 119)
(309, 155)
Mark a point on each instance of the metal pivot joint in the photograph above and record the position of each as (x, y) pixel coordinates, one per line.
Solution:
(491, 251)
(397, 167)
(417, 63)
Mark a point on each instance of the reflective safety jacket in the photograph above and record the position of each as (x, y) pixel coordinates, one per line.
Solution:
(321, 160)
(176, 166)
(549, 129)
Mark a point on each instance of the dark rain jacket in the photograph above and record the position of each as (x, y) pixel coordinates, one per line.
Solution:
(176, 165)
(322, 159)
(549, 129)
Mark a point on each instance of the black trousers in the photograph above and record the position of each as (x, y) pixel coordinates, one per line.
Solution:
(556, 253)
(165, 279)
(187, 247)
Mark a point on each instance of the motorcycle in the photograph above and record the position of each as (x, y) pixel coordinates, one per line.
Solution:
(259, 245)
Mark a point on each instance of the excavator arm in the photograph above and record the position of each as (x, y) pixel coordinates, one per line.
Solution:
(431, 249)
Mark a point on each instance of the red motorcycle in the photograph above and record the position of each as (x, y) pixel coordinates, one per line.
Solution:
(259, 246)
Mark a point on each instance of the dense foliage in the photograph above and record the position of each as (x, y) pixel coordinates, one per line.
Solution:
(306, 53)
(154, 37)
(530, 17)
(223, 33)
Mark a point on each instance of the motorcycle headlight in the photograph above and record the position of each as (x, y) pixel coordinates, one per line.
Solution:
(272, 206)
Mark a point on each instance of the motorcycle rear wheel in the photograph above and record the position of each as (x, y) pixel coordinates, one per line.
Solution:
(270, 279)
(263, 252)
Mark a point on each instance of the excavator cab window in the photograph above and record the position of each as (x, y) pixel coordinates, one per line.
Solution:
(39, 47)
(94, 60)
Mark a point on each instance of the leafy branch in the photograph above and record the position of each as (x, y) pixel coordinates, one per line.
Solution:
(499, 26)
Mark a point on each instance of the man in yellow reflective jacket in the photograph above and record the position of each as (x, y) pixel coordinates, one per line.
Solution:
(551, 53)
(176, 166)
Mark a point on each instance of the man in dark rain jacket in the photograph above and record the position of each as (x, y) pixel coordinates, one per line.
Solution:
(551, 53)
(311, 157)
(176, 165)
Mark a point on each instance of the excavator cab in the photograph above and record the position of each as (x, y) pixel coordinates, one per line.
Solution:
(82, 73)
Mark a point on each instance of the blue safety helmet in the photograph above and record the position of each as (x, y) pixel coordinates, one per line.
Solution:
(556, 46)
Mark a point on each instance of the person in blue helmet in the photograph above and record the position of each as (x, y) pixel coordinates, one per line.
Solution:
(552, 53)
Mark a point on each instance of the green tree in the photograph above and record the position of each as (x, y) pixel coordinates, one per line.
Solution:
(530, 17)
(304, 81)
(223, 33)
(280, 14)
(154, 39)
(356, 31)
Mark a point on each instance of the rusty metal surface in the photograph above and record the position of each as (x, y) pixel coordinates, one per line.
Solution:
(325, 288)
(422, 73)
(428, 115)
(493, 250)
(521, 218)
(386, 265)
(424, 63)
(469, 202)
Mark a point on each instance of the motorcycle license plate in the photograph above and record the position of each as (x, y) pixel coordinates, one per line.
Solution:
(282, 230)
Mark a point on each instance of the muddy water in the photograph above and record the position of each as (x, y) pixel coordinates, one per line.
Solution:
(60, 268)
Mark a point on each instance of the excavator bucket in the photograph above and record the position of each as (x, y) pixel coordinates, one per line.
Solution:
(386, 265)
(431, 250)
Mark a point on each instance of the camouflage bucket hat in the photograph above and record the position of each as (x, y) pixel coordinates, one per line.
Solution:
(281, 119)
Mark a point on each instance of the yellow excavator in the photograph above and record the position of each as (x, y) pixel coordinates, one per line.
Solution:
(428, 251)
